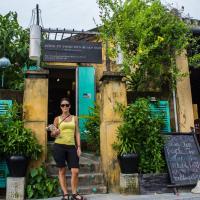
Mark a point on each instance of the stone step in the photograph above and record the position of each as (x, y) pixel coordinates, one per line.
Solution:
(86, 166)
(90, 156)
(91, 179)
(90, 167)
(100, 189)
(88, 162)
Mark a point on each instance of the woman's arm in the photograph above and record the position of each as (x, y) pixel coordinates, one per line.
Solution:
(77, 137)
(55, 122)
(56, 131)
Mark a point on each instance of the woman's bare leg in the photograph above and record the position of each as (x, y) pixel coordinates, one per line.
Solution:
(62, 179)
(74, 180)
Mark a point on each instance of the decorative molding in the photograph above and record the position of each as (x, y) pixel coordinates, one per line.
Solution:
(108, 76)
(37, 73)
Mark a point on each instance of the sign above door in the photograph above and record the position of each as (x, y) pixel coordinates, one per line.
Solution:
(72, 51)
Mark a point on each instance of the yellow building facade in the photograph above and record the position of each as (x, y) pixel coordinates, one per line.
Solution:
(109, 89)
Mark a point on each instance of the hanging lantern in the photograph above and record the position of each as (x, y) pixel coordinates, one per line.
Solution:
(4, 62)
(35, 40)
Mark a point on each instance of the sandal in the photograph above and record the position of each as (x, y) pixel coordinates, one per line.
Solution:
(76, 197)
(65, 197)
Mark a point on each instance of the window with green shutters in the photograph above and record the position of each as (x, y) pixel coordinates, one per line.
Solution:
(162, 107)
(4, 105)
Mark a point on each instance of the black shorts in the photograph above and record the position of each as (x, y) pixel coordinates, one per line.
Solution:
(63, 153)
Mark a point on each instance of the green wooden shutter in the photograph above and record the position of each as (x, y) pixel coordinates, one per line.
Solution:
(3, 173)
(162, 107)
(4, 105)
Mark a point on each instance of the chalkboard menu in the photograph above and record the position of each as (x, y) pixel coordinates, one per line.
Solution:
(183, 159)
(72, 51)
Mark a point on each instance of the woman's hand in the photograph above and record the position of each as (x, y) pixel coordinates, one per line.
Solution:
(55, 132)
(79, 151)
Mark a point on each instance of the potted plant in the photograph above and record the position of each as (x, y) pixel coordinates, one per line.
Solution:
(126, 145)
(92, 129)
(18, 144)
(139, 140)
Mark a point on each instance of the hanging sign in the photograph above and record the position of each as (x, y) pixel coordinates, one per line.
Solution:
(72, 51)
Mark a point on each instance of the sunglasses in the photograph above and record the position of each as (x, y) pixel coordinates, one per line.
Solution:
(62, 105)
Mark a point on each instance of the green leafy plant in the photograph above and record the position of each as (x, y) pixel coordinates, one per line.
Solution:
(149, 36)
(2, 135)
(14, 44)
(39, 185)
(92, 126)
(15, 138)
(140, 133)
(194, 52)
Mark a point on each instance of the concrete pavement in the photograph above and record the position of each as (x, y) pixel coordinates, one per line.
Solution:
(166, 196)
(114, 196)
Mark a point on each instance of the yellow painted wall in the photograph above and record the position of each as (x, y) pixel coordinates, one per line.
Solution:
(35, 104)
(38, 130)
(195, 111)
(110, 165)
(184, 96)
(112, 91)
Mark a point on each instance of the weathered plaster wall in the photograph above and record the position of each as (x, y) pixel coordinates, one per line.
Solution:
(35, 110)
(112, 91)
(184, 96)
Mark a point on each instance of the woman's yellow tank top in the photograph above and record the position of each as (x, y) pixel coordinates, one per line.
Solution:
(67, 132)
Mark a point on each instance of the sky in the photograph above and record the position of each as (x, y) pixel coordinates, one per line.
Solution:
(75, 14)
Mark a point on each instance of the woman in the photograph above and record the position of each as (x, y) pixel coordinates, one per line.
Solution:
(67, 147)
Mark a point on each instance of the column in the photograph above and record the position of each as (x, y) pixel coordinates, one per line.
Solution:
(184, 96)
(112, 90)
(35, 107)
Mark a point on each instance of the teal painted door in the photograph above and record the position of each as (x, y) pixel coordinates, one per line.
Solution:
(162, 107)
(86, 95)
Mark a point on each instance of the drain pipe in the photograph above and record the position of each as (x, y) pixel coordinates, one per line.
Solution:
(175, 110)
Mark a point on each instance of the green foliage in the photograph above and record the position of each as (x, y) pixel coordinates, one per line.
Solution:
(149, 36)
(92, 126)
(194, 52)
(140, 133)
(195, 60)
(15, 138)
(14, 44)
(39, 185)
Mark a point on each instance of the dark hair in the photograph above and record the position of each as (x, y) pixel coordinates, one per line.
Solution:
(65, 99)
